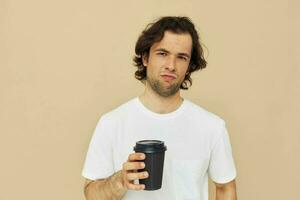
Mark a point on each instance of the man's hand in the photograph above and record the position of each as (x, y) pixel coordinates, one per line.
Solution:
(115, 186)
(129, 171)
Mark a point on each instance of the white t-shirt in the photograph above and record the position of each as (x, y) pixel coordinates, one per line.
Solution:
(197, 143)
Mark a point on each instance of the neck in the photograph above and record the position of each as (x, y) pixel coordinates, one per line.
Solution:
(160, 104)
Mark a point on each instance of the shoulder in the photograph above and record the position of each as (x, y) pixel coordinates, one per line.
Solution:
(202, 115)
(119, 112)
(210, 124)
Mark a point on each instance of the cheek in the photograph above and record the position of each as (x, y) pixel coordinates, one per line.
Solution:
(183, 72)
(155, 67)
(157, 61)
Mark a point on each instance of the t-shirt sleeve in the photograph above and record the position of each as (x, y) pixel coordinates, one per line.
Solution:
(221, 167)
(99, 159)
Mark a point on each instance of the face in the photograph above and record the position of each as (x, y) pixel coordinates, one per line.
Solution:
(168, 62)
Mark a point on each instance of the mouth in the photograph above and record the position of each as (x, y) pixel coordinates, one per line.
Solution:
(168, 77)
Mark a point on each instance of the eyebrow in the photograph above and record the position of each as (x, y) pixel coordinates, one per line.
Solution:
(164, 50)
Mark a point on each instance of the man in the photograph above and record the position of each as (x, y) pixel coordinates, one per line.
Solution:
(167, 52)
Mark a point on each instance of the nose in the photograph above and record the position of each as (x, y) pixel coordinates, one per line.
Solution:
(170, 63)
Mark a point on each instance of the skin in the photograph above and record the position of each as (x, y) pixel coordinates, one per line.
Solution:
(226, 191)
(169, 56)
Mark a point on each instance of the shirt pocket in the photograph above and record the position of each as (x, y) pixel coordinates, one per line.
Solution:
(188, 177)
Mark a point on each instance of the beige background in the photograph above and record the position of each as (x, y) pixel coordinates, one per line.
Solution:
(63, 63)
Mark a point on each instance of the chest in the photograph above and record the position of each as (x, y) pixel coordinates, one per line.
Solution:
(183, 143)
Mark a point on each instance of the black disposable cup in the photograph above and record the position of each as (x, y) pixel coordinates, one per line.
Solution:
(154, 162)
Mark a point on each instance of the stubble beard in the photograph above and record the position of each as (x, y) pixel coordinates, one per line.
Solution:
(161, 90)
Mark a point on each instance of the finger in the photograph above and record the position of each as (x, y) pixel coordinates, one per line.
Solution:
(136, 156)
(134, 176)
(135, 186)
(133, 165)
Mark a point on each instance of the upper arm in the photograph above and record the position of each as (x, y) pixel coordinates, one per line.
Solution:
(87, 182)
(99, 157)
(230, 184)
(226, 190)
(221, 166)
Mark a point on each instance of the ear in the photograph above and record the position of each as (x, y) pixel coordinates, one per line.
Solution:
(145, 59)
(187, 71)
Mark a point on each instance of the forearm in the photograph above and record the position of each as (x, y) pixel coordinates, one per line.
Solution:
(108, 189)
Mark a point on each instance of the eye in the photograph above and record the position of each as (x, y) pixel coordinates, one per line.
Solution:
(162, 53)
(182, 58)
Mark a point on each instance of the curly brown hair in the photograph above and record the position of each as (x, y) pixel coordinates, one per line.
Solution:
(154, 32)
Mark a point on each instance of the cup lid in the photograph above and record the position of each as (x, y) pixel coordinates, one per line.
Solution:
(150, 146)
